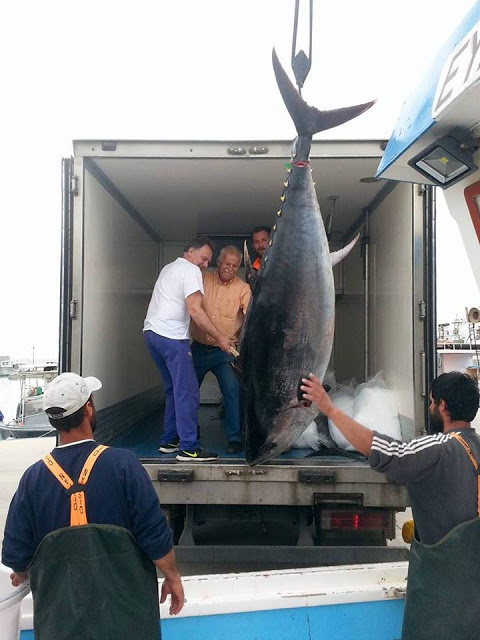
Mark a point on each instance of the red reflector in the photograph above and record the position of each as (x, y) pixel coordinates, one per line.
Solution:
(353, 520)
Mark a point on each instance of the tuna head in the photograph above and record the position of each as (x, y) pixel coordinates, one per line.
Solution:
(268, 437)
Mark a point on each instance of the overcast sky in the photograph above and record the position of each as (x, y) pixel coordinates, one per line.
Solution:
(178, 70)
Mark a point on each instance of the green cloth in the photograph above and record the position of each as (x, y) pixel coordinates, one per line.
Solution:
(443, 588)
(93, 582)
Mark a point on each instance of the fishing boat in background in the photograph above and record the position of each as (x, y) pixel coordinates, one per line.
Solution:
(458, 344)
(30, 420)
(7, 366)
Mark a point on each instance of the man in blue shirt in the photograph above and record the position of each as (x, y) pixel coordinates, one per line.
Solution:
(112, 496)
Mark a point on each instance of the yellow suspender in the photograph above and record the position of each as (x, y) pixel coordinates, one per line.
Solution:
(464, 444)
(78, 512)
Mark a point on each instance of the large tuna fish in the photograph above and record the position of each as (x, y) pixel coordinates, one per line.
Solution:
(289, 329)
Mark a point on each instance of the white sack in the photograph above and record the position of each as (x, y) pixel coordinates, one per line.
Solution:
(371, 404)
(310, 438)
(344, 400)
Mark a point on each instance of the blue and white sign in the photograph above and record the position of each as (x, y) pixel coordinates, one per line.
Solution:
(460, 71)
(447, 98)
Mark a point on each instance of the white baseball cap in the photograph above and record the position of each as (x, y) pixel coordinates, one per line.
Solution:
(67, 393)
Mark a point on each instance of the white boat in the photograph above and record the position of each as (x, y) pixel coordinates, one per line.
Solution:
(30, 420)
(347, 602)
(7, 366)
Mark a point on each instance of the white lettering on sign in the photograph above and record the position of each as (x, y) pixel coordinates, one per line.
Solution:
(461, 70)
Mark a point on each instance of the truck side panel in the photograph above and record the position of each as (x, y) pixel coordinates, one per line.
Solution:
(348, 349)
(120, 269)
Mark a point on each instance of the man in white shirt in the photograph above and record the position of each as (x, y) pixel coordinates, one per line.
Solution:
(177, 297)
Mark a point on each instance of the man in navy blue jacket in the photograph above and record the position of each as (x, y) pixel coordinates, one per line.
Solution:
(117, 490)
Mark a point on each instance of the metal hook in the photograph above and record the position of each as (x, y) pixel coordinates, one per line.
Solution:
(301, 63)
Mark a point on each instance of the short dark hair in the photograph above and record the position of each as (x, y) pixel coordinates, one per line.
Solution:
(258, 229)
(198, 242)
(66, 424)
(460, 393)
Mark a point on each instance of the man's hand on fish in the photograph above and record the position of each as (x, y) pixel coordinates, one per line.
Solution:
(358, 435)
(225, 343)
(314, 392)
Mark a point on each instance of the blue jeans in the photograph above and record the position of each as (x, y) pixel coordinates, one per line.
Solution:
(207, 358)
(174, 361)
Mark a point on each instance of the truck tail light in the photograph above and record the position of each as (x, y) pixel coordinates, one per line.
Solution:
(354, 520)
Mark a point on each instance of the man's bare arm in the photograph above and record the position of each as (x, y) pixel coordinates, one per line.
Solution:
(358, 435)
(173, 582)
(201, 319)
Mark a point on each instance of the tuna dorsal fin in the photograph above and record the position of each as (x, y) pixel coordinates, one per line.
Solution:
(309, 120)
(250, 273)
(338, 256)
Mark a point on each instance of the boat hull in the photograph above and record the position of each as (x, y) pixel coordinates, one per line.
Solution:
(9, 431)
(357, 602)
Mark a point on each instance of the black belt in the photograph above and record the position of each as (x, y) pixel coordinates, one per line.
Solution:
(203, 346)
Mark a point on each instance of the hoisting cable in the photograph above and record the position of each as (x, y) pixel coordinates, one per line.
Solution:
(301, 63)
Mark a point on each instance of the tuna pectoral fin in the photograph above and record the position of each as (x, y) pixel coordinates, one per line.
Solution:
(338, 256)
(309, 120)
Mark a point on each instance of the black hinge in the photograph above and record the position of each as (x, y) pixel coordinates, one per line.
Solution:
(176, 476)
(311, 477)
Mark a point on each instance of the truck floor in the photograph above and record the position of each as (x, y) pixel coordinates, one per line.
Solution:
(144, 439)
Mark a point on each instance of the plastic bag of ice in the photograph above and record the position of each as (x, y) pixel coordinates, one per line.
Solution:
(310, 438)
(371, 404)
(375, 407)
(344, 399)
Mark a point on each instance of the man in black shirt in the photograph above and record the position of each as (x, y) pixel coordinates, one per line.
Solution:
(441, 472)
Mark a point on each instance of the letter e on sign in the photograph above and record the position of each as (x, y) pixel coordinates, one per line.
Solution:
(460, 71)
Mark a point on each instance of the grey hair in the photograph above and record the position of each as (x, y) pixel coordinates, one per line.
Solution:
(229, 249)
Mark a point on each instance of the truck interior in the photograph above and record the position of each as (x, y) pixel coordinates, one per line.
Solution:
(136, 206)
(146, 208)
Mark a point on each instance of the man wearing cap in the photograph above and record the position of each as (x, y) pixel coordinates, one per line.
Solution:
(85, 525)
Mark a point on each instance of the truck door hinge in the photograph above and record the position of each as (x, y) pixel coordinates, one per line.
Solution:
(73, 308)
(74, 185)
(422, 309)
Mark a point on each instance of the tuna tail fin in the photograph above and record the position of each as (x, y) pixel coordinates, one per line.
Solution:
(338, 256)
(250, 273)
(309, 120)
